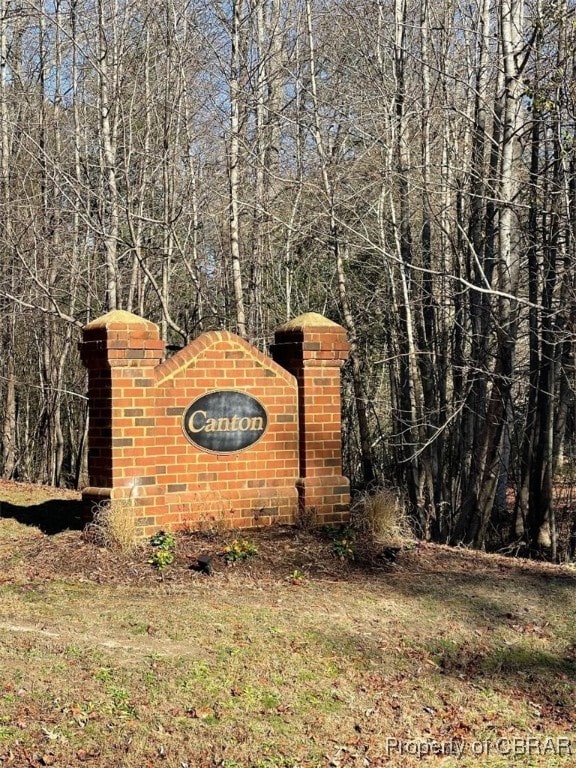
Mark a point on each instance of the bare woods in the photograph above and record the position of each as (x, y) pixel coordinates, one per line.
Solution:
(407, 168)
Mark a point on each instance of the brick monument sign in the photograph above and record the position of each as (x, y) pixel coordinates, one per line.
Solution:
(219, 430)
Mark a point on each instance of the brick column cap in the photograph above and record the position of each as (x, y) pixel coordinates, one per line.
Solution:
(120, 339)
(120, 320)
(310, 336)
(308, 320)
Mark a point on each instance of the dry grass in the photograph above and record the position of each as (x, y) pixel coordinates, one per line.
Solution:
(307, 518)
(381, 515)
(207, 513)
(103, 664)
(113, 526)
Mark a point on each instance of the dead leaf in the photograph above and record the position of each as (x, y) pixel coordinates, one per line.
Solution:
(201, 713)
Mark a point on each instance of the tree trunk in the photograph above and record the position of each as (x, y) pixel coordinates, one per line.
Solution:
(234, 169)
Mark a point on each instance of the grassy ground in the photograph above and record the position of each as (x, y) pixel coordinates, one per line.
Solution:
(292, 658)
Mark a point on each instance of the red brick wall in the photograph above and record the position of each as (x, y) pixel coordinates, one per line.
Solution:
(137, 448)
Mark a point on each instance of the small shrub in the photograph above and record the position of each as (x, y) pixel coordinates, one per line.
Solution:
(239, 549)
(161, 558)
(343, 543)
(113, 526)
(162, 540)
(344, 548)
(164, 545)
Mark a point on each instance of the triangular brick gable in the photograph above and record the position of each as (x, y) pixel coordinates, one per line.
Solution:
(222, 340)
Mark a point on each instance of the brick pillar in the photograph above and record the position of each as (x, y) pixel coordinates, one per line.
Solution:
(313, 349)
(120, 351)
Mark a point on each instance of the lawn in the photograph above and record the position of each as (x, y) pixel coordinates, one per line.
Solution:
(292, 657)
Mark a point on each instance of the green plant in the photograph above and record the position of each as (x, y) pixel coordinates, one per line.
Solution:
(7, 732)
(164, 545)
(343, 539)
(239, 549)
(121, 704)
(161, 558)
(104, 675)
(343, 546)
(296, 577)
(163, 540)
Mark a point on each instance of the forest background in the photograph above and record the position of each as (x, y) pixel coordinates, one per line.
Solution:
(407, 169)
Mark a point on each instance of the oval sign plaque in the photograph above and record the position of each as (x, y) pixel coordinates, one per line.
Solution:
(225, 421)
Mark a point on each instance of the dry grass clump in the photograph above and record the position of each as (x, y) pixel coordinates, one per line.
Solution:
(210, 515)
(306, 518)
(113, 526)
(381, 517)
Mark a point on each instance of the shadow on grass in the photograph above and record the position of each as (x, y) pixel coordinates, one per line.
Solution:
(487, 592)
(491, 600)
(544, 679)
(522, 659)
(510, 630)
(51, 517)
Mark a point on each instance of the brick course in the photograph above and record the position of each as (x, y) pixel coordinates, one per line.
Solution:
(137, 448)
